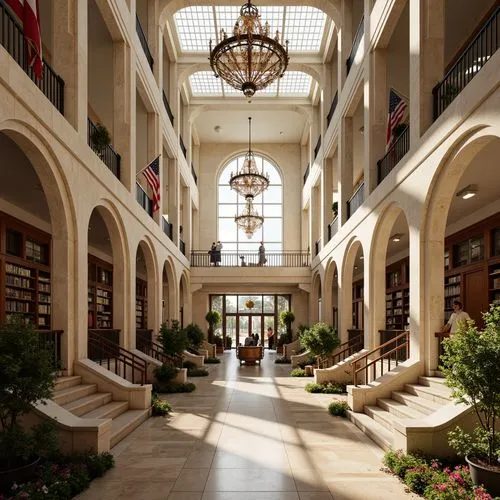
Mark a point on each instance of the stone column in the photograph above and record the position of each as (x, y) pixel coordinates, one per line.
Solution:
(70, 55)
(155, 42)
(344, 43)
(174, 199)
(81, 276)
(174, 96)
(154, 149)
(426, 62)
(326, 197)
(187, 219)
(345, 184)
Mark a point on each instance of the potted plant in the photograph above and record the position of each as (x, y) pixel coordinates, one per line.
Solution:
(229, 342)
(335, 208)
(398, 130)
(195, 336)
(174, 340)
(219, 343)
(286, 320)
(27, 376)
(320, 340)
(100, 138)
(470, 365)
(213, 319)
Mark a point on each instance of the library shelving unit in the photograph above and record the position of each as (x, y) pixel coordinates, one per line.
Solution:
(100, 294)
(397, 297)
(357, 304)
(25, 273)
(452, 289)
(141, 304)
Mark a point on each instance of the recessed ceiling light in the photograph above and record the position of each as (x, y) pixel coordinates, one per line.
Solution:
(355, 267)
(362, 257)
(217, 129)
(396, 237)
(281, 132)
(468, 192)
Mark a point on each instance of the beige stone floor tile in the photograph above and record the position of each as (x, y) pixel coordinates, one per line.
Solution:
(200, 459)
(185, 495)
(315, 495)
(191, 480)
(309, 480)
(373, 489)
(250, 495)
(249, 480)
(127, 490)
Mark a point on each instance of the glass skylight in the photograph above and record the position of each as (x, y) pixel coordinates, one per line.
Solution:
(303, 26)
(204, 83)
(295, 83)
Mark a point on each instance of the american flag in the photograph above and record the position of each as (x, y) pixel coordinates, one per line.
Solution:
(152, 174)
(398, 108)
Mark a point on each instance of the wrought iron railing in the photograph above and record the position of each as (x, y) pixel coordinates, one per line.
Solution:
(168, 228)
(286, 258)
(396, 152)
(388, 353)
(155, 350)
(12, 39)
(51, 340)
(143, 199)
(193, 173)
(356, 200)
(182, 247)
(123, 363)
(468, 65)
(333, 228)
(107, 154)
(144, 42)
(317, 147)
(343, 351)
(167, 107)
(183, 147)
(306, 173)
(110, 334)
(333, 107)
(317, 247)
(355, 44)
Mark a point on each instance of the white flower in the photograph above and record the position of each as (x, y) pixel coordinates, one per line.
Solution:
(45, 489)
(14, 486)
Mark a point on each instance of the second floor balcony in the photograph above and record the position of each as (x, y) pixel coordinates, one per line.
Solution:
(356, 200)
(144, 200)
(104, 151)
(144, 42)
(285, 258)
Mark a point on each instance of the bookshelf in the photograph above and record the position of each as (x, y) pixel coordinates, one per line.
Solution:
(25, 273)
(141, 303)
(397, 296)
(452, 290)
(100, 294)
(357, 305)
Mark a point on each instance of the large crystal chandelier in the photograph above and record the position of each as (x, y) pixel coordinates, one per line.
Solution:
(248, 181)
(249, 60)
(249, 220)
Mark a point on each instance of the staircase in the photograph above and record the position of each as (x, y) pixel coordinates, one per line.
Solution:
(84, 400)
(415, 401)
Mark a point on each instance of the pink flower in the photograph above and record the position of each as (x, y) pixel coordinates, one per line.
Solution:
(434, 465)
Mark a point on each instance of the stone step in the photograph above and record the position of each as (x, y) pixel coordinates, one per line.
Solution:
(109, 410)
(439, 396)
(125, 423)
(69, 394)
(375, 431)
(64, 382)
(435, 382)
(423, 405)
(88, 403)
(381, 416)
(399, 409)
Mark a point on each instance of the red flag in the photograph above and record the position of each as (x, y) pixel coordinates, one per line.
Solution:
(29, 13)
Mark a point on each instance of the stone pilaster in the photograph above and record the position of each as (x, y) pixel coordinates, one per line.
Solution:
(345, 183)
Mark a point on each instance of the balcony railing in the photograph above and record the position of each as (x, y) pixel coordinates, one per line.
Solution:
(12, 39)
(107, 154)
(306, 173)
(356, 200)
(143, 199)
(183, 147)
(473, 58)
(182, 247)
(333, 107)
(193, 173)
(333, 227)
(317, 247)
(167, 107)
(51, 340)
(168, 228)
(355, 44)
(144, 42)
(286, 258)
(317, 147)
(396, 152)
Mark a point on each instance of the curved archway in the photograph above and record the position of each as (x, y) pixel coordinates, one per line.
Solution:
(331, 295)
(169, 291)
(316, 300)
(184, 300)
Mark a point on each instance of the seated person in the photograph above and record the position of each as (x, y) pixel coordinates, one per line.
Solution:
(256, 339)
(249, 340)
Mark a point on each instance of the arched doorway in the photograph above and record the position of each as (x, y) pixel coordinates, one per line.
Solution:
(331, 296)
(169, 299)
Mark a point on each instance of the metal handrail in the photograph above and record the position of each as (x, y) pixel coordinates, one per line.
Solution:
(107, 154)
(183, 146)
(105, 352)
(155, 350)
(333, 107)
(317, 247)
(51, 340)
(168, 228)
(333, 228)
(356, 200)
(355, 44)
(193, 173)
(317, 147)
(143, 199)
(167, 108)
(468, 65)
(348, 348)
(396, 152)
(384, 356)
(306, 173)
(144, 42)
(182, 247)
(12, 39)
(286, 258)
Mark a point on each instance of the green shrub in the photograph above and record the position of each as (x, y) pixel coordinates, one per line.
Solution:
(218, 340)
(173, 339)
(197, 372)
(165, 373)
(338, 408)
(229, 342)
(189, 365)
(298, 372)
(320, 339)
(286, 319)
(159, 407)
(282, 361)
(328, 388)
(212, 360)
(213, 318)
(399, 462)
(174, 388)
(194, 335)
(310, 361)
(301, 329)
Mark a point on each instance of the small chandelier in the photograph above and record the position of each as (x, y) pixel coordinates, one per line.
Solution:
(248, 181)
(249, 60)
(249, 220)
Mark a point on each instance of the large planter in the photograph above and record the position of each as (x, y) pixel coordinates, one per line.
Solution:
(19, 475)
(219, 350)
(489, 478)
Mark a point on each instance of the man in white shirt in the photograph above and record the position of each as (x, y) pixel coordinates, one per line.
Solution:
(457, 316)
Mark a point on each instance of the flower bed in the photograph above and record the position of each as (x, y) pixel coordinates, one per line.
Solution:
(328, 388)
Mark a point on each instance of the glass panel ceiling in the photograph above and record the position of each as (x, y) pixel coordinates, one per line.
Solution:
(302, 26)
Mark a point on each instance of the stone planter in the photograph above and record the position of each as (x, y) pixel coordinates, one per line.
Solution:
(489, 478)
(219, 350)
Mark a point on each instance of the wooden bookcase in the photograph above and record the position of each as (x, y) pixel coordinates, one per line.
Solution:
(397, 297)
(141, 304)
(100, 294)
(357, 305)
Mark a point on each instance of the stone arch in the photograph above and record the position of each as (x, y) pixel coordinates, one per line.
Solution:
(184, 299)
(170, 303)
(316, 299)
(329, 301)
(59, 199)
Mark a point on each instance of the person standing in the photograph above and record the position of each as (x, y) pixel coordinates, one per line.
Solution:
(256, 338)
(270, 338)
(218, 249)
(212, 253)
(458, 316)
(262, 254)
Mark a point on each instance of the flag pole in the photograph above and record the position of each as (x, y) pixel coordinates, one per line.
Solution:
(142, 170)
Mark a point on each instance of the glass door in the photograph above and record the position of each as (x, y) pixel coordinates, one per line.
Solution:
(242, 329)
(256, 322)
(231, 330)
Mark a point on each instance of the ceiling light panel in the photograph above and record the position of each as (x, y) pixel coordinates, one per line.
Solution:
(226, 16)
(204, 83)
(231, 91)
(274, 17)
(304, 27)
(295, 83)
(195, 27)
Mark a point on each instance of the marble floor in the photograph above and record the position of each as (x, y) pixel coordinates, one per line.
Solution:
(247, 433)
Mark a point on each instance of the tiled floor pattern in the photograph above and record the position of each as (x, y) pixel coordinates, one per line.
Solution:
(247, 433)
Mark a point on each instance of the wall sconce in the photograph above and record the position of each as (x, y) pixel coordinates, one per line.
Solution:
(468, 192)
(396, 237)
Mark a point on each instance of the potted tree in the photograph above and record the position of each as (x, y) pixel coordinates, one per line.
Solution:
(335, 208)
(286, 319)
(213, 319)
(470, 365)
(195, 337)
(219, 344)
(27, 377)
(100, 138)
(320, 340)
(229, 342)
(174, 340)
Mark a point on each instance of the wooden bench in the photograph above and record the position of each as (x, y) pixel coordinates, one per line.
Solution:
(250, 354)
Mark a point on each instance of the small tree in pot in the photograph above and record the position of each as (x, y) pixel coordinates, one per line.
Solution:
(174, 340)
(286, 320)
(100, 138)
(470, 365)
(195, 336)
(213, 319)
(320, 340)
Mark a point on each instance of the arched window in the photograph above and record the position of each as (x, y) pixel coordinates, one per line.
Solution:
(269, 204)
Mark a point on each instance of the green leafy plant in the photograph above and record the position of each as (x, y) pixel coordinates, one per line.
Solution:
(189, 365)
(282, 361)
(338, 408)
(194, 335)
(286, 319)
(213, 318)
(218, 341)
(335, 208)
(310, 361)
(329, 388)
(298, 372)
(398, 130)
(197, 372)
(165, 373)
(159, 407)
(470, 365)
(173, 339)
(229, 342)
(301, 329)
(212, 360)
(176, 388)
(284, 338)
(320, 339)
(100, 137)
